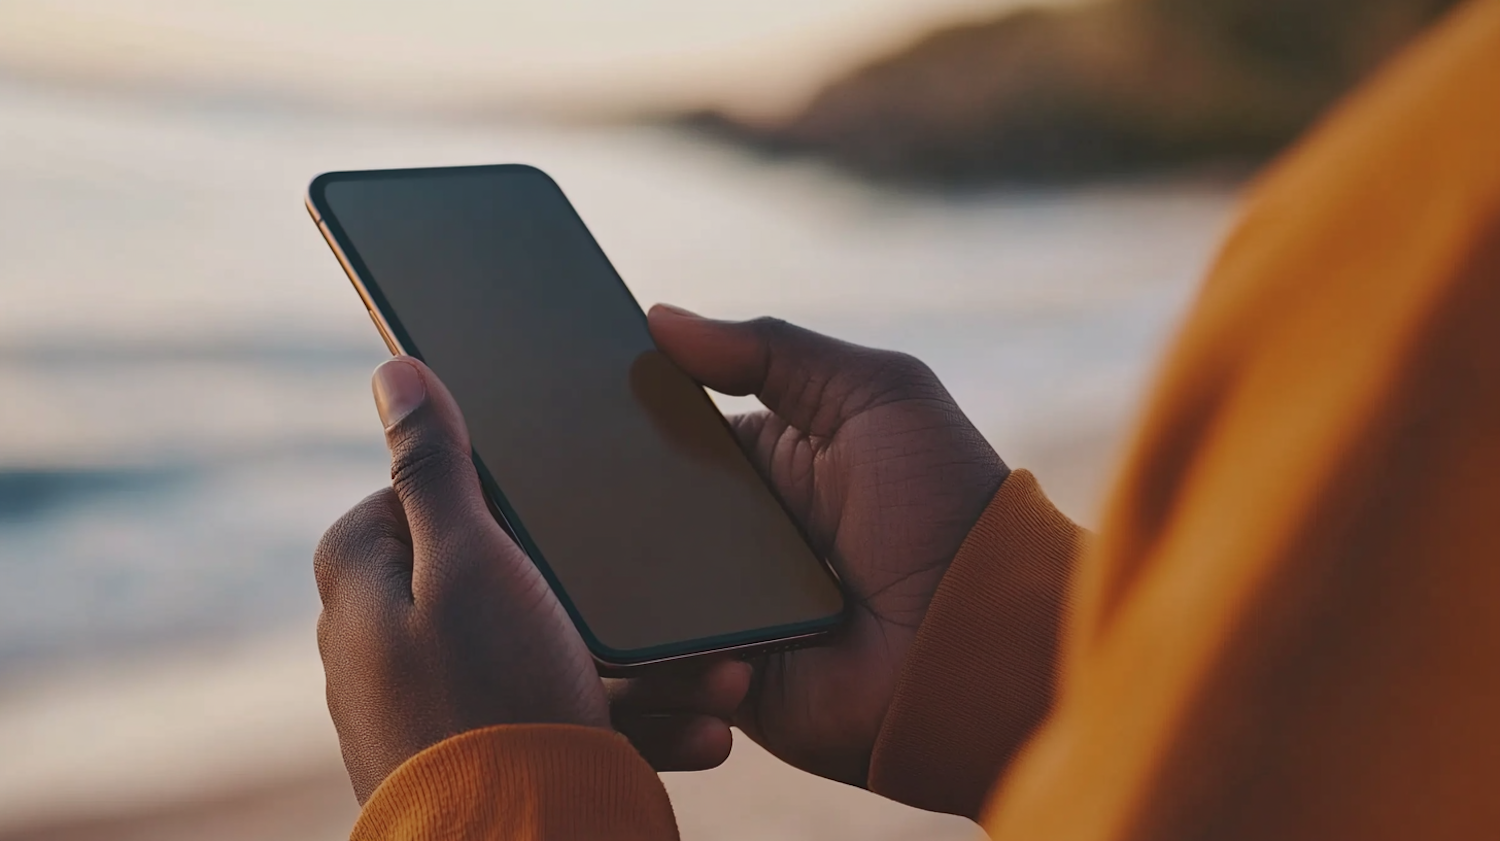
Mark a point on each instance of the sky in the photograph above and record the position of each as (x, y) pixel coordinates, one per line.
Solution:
(567, 57)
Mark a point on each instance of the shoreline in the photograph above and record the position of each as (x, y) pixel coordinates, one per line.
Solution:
(232, 741)
(235, 744)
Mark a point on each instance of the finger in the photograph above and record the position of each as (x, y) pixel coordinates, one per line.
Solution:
(366, 552)
(679, 742)
(812, 381)
(749, 426)
(432, 471)
(715, 690)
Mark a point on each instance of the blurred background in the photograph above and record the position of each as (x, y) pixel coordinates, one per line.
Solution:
(1022, 194)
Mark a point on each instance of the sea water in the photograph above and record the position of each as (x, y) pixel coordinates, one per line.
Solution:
(184, 368)
(184, 385)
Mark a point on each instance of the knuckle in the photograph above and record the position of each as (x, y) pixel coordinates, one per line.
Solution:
(899, 365)
(901, 374)
(771, 332)
(768, 325)
(327, 557)
(422, 463)
(363, 531)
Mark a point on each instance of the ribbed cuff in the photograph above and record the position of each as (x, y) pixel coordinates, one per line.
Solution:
(980, 676)
(529, 782)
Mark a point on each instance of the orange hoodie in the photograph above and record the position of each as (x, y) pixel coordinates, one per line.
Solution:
(1289, 625)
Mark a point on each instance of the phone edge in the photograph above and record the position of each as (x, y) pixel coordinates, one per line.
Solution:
(604, 666)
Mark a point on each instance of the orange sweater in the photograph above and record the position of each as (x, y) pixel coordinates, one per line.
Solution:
(1289, 626)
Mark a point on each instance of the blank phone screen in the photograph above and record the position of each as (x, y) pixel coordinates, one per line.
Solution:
(615, 470)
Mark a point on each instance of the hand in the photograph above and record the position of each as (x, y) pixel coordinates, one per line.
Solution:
(885, 474)
(434, 623)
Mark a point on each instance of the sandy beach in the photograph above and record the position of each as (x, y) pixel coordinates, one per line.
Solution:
(232, 742)
(216, 770)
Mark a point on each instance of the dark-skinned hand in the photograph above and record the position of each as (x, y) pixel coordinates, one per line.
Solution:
(434, 623)
(866, 448)
(886, 476)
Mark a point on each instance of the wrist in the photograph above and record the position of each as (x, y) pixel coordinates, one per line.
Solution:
(979, 676)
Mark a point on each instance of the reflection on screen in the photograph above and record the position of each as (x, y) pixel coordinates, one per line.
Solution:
(616, 465)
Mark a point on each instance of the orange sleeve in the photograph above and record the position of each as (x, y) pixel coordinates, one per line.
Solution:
(1289, 626)
(968, 699)
(980, 676)
(541, 782)
(536, 782)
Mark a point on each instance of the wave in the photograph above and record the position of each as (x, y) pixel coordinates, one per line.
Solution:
(31, 494)
(269, 347)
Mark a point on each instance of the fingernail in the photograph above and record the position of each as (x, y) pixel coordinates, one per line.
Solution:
(399, 390)
(677, 311)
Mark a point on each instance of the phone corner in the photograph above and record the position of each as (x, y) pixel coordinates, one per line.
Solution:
(314, 195)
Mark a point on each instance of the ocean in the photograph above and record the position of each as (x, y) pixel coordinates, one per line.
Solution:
(184, 367)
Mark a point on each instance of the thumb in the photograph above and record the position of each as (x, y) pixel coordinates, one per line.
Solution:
(811, 381)
(432, 468)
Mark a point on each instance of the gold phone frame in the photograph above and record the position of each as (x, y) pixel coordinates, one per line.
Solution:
(605, 667)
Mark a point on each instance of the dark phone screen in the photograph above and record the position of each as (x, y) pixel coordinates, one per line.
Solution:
(615, 468)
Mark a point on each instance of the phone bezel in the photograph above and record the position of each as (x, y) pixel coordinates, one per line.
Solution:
(609, 660)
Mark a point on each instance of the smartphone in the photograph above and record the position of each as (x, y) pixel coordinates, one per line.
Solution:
(611, 468)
